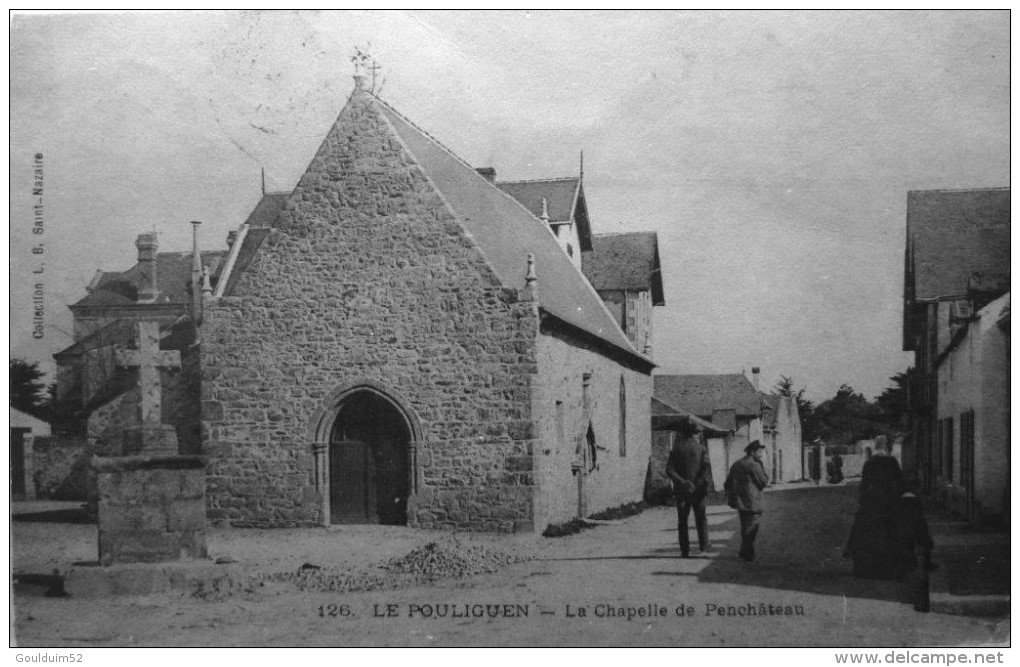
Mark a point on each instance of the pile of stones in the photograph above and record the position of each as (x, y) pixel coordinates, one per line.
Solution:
(451, 559)
(445, 559)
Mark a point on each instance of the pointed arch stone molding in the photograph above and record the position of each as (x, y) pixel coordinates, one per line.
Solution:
(321, 425)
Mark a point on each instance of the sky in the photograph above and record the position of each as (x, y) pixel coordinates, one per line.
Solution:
(772, 152)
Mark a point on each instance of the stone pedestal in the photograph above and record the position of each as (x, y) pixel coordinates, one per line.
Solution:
(151, 508)
(148, 439)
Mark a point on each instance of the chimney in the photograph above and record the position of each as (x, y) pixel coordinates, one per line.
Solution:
(147, 245)
(488, 172)
(755, 371)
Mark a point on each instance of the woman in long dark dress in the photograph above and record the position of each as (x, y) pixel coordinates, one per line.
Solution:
(874, 542)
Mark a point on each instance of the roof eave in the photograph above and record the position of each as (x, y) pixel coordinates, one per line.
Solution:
(633, 357)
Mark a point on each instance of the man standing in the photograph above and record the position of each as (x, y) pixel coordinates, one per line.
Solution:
(688, 467)
(745, 487)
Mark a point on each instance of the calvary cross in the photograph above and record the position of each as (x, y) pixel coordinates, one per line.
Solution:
(148, 359)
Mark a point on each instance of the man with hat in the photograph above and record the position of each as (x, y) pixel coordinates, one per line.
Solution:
(688, 468)
(745, 487)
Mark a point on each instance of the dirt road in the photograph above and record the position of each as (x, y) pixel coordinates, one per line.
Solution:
(621, 583)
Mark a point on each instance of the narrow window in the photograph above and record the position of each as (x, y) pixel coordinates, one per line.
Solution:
(623, 417)
(559, 424)
(967, 451)
(949, 449)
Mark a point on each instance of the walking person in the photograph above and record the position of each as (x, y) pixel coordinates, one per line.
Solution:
(915, 545)
(874, 544)
(745, 486)
(689, 469)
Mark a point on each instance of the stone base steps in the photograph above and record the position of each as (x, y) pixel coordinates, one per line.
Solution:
(180, 578)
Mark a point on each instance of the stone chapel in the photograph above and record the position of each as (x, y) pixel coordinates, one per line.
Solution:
(402, 339)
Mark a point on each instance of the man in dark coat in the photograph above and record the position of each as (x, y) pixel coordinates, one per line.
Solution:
(874, 544)
(745, 486)
(688, 468)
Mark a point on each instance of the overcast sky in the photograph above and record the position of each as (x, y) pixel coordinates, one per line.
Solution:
(772, 152)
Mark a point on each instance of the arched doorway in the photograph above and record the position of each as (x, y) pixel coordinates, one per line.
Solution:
(369, 475)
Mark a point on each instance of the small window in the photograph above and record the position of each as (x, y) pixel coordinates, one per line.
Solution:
(967, 451)
(570, 250)
(623, 417)
(949, 449)
(560, 440)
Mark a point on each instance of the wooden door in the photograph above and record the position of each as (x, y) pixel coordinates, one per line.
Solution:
(18, 463)
(349, 491)
(369, 472)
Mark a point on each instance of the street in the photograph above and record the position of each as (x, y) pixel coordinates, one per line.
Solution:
(621, 583)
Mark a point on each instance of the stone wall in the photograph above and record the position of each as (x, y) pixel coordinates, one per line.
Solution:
(369, 278)
(561, 424)
(60, 467)
(658, 487)
(639, 319)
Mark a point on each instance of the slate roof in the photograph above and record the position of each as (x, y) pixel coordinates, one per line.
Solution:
(625, 262)
(770, 409)
(559, 193)
(564, 199)
(260, 221)
(663, 418)
(266, 211)
(173, 269)
(173, 275)
(506, 232)
(703, 394)
(953, 234)
(118, 332)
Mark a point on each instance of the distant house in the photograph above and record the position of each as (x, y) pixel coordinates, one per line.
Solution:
(729, 401)
(23, 429)
(623, 268)
(956, 321)
(664, 416)
(559, 202)
(781, 432)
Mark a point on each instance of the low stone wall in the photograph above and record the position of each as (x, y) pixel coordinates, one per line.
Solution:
(151, 509)
(61, 467)
(658, 487)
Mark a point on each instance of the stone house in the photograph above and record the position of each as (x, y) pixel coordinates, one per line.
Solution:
(396, 341)
(973, 414)
(956, 321)
(623, 268)
(23, 429)
(781, 435)
(659, 488)
(729, 402)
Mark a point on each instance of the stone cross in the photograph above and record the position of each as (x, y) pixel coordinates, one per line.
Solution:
(148, 359)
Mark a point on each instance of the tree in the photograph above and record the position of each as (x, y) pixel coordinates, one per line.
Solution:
(894, 403)
(28, 394)
(848, 417)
